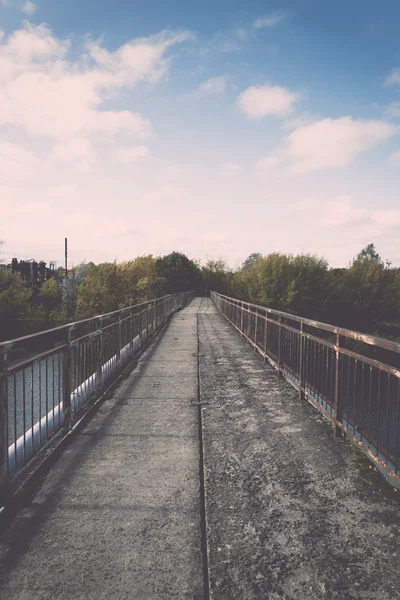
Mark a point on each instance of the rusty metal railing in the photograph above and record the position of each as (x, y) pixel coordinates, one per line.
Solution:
(49, 379)
(352, 378)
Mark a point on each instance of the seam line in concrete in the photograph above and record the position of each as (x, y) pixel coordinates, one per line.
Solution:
(203, 513)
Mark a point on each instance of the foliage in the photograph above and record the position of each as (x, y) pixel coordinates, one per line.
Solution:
(217, 276)
(364, 296)
(179, 273)
(14, 305)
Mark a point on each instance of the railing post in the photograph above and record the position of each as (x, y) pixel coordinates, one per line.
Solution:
(131, 332)
(255, 332)
(241, 318)
(3, 424)
(67, 386)
(266, 335)
(280, 347)
(119, 335)
(301, 376)
(140, 317)
(99, 370)
(338, 401)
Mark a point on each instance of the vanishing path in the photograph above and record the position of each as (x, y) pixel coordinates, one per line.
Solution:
(288, 516)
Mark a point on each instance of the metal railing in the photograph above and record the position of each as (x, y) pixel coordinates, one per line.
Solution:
(352, 378)
(49, 379)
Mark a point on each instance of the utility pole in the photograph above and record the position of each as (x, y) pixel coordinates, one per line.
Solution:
(66, 258)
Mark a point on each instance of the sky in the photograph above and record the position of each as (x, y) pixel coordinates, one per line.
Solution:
(217, 129)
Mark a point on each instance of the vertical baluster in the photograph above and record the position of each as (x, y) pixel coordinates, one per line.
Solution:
(32, 410)
(280, 346)
(387, 417)
(67, 385)
(4, 423)
(301, 377)
(99, 370)
(338, 398)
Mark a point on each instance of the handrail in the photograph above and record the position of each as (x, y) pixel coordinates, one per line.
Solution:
(47, 391)
(75, 323)
(359, 394)
(349, 333)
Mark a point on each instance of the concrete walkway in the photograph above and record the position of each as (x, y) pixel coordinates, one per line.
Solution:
(288, 514)
(118, 515)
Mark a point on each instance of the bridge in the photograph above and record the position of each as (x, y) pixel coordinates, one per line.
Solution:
(168, 451)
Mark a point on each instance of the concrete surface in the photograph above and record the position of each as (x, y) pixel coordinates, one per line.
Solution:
(288, 514)
(117, 517)
(291, 513)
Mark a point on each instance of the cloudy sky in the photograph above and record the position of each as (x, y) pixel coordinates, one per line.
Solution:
(216, 128)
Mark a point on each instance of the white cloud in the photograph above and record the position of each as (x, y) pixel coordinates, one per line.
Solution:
(333, 143)
(16, 162)
(267, 163)
(270, 20)
(62, 192)
(342, 212)
(393, 109)
(44, 93)
(261, 101)
(394, 158)
(241, 33)
(232, 169)
(140, 59)
(172, 175)
(128, 155)
(29, 8)
(215, 86)
(77, 152)
(387, 218)
(393, 78)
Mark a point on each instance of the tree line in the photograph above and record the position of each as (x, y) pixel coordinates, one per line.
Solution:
(364, 296)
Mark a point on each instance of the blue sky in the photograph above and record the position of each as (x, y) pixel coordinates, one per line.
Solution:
(215, 128)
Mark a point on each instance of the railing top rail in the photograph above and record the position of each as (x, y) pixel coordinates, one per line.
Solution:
(75, 323)
(348, 333)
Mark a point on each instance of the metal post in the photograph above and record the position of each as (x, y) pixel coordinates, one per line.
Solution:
(338, 401)
(301, 376)
(266, 335)
(131, 332)
(255, 332)
(67, 385)
(280, 347)
(241, 320)
(119, 340)
(99, 370)
(3, 423)
(66, 258)
(140, 314)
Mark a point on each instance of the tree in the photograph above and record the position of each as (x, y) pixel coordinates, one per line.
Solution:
(139, 280)
(50, 295)
(217, 276)
(179, 272)
(99, 293)
(14, 305)
(369, 253)
(251, 259)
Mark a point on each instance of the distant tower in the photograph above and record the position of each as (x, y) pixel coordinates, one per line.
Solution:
(66, 257)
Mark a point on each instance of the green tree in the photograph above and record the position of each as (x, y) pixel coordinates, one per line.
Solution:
(14, 305)
(251, 259)
(99, 293)
(179, 272)
(139, 280)
(217, 276)
(50, 295)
